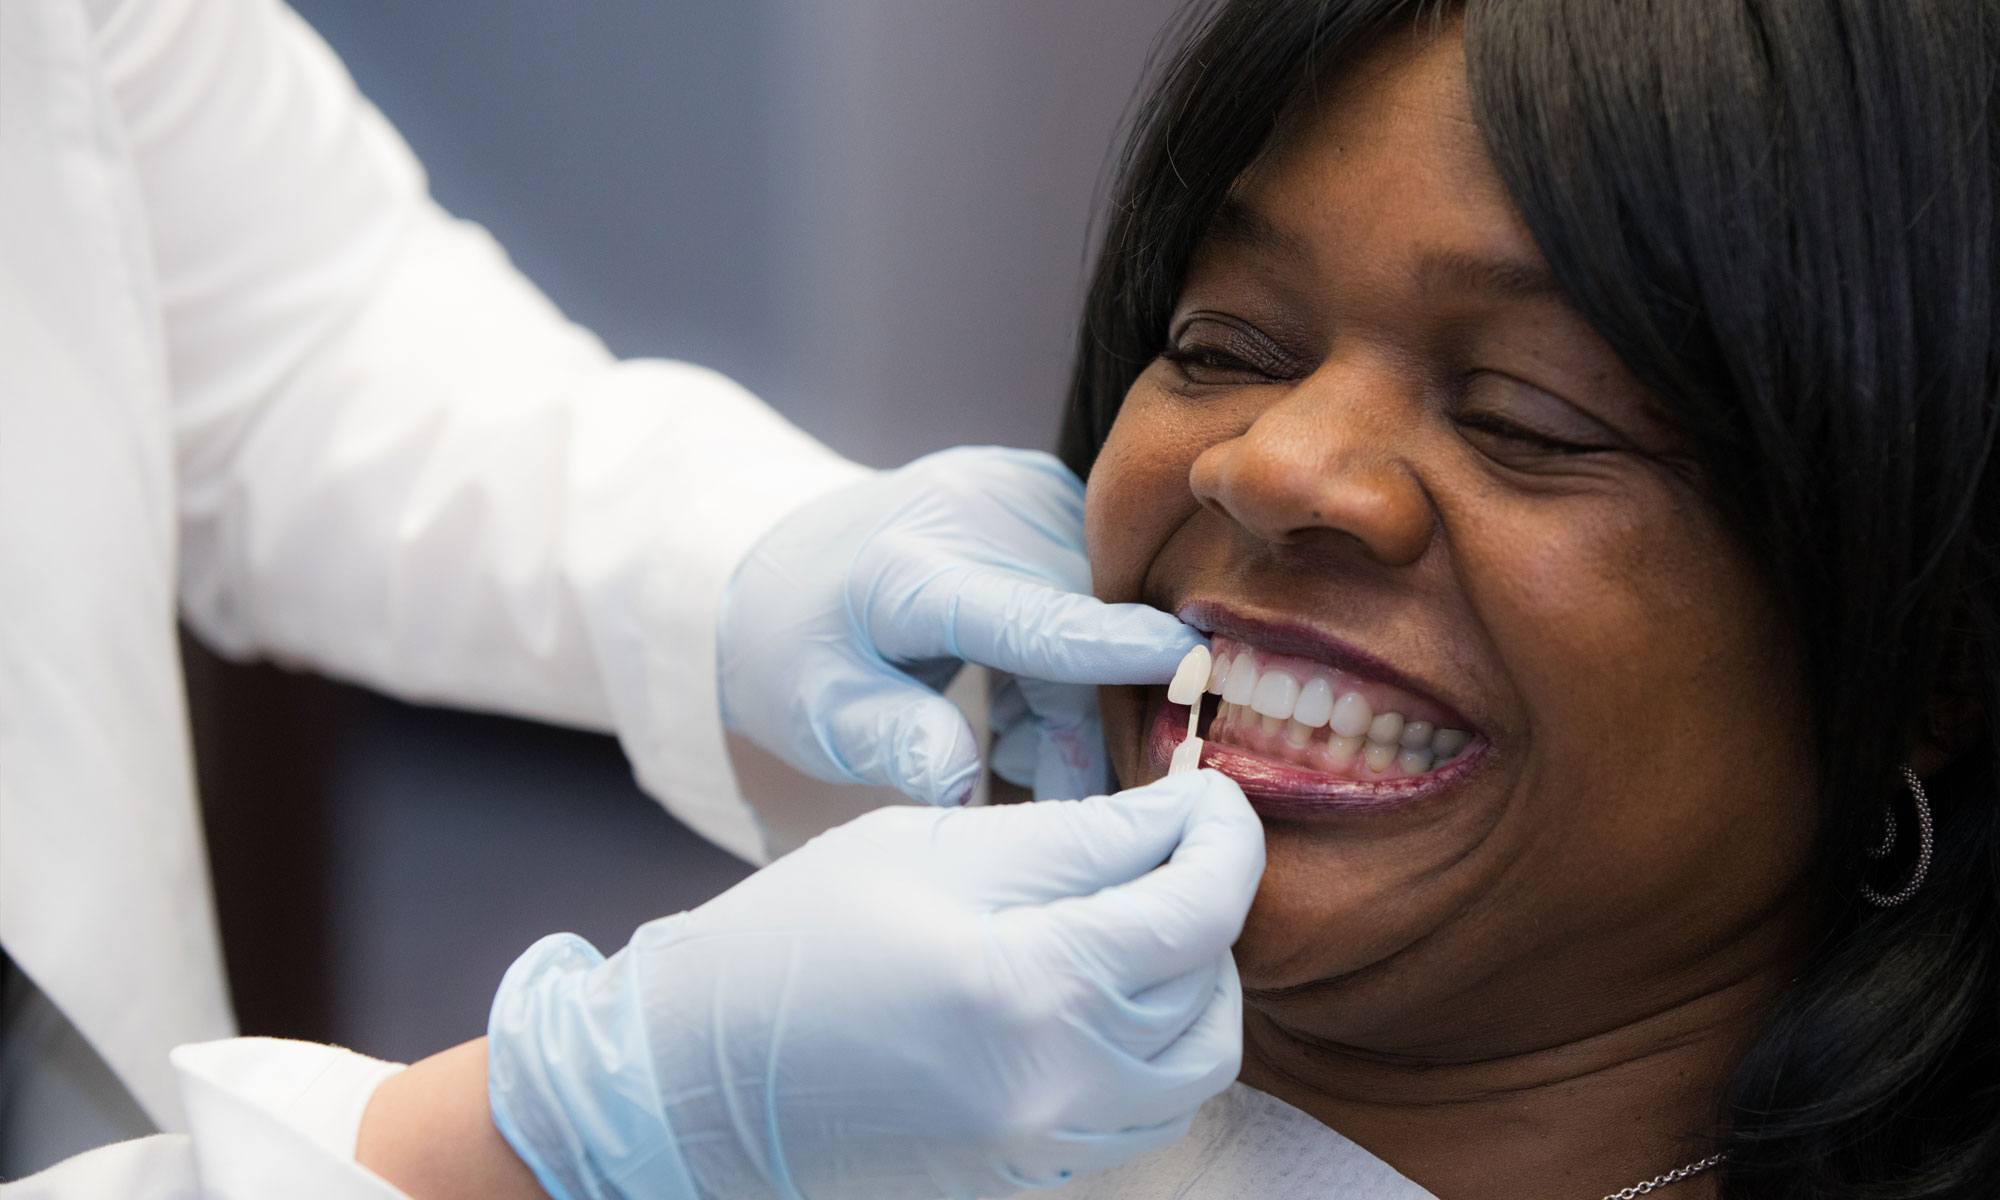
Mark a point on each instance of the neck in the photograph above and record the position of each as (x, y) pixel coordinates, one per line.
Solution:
(1579, 1118)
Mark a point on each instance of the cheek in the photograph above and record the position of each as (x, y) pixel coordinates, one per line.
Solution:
(1668, 723)
(1138, 494)
(1137, 497)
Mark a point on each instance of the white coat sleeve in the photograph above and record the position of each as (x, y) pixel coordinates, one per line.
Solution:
(398, 462)
(266, 1118)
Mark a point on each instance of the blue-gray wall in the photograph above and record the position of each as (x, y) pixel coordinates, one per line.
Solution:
(873, 213)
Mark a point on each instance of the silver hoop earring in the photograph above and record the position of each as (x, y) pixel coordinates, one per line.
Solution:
(1924, 846)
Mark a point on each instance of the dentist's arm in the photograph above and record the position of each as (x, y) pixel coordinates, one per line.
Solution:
(399, 464)
(921, 1003)
(428, 1130)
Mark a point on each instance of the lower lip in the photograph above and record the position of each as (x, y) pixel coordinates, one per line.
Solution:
(1280, 789)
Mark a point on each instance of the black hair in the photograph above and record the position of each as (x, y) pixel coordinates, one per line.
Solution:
(1781, 215)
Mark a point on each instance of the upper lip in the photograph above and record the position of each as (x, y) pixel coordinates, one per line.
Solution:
(1282, 636)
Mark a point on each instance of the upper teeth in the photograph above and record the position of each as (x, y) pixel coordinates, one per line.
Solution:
(1351, 715)
(1278, 696)
(1240, 680)
(1315, 706)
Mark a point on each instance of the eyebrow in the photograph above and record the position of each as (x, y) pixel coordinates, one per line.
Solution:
(1237, 223)
(1514, 278)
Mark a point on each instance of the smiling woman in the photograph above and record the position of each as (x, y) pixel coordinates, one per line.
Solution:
(1575, 424)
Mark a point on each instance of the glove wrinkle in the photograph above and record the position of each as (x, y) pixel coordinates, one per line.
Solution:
(971, 555)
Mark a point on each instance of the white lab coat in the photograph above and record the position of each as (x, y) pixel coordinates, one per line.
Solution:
(266, 1119)
(250, 372)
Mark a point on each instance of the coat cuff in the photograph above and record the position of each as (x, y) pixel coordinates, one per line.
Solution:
(270, 1117)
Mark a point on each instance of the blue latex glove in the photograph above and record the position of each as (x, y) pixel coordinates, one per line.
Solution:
(921, 1003)
(844, 621)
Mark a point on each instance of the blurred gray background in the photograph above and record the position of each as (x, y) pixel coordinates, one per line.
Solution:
(874, 213)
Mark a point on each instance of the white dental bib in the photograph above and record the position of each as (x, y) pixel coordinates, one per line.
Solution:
(1247, 1143)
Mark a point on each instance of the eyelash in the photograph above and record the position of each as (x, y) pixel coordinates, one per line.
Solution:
(1248, 351)
(1486, 423)
(1206, 357)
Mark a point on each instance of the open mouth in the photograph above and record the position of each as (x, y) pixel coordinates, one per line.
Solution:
(1292, 726)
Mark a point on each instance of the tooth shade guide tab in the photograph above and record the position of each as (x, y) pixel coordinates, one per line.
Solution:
(1190, 684)
(1191, 677)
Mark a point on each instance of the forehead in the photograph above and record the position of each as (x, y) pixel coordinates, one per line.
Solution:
(1380, 168)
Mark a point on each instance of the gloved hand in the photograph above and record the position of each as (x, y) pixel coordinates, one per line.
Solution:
(921, 1003)
(844, 620)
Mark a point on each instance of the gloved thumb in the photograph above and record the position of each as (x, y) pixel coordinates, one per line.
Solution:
(893, 731)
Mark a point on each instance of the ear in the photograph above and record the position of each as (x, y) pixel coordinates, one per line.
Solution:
(1953, 718)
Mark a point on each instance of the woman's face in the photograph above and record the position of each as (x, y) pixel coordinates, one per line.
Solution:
(1385, 457)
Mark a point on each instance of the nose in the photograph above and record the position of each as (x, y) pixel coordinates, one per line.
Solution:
(1326, 460)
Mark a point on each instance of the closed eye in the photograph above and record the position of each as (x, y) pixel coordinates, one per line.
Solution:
(1210, 348)
(1521, 435)
(1198, 360)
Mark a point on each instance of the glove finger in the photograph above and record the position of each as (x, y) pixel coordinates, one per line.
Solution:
(998, 618)
(1047, 737)
(1006, 706)
(1170, 920)
(1070, 759)
(1017, 754)
(1035, 854)
(892, 731)
(1016, 738)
